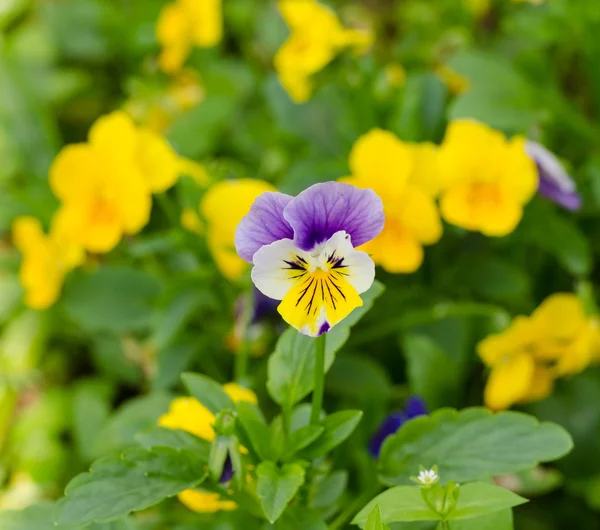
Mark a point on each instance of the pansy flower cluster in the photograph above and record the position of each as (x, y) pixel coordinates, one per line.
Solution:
(317, 37)
(557, 340)
(105, 188)
(184, 24)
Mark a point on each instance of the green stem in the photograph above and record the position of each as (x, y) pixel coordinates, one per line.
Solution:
(241, 358)
(319, 378)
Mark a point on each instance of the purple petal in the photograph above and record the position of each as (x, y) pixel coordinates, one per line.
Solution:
(263, 224)
(228, 472)
(388, 427)
(324, 209)
(415, 406)
(570, 200)
(554, 182)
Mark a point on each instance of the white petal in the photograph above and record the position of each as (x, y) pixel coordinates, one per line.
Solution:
(358, 267)
(278, 267)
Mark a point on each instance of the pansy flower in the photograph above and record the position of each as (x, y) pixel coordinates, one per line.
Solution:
(555, 183)
(414, 407)
(303, 252)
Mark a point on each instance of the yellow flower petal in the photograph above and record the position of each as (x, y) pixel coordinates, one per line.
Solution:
(321, 294)
(223, 207)
(188, 414)
(509, 382)
(542, 384)
(206, 21)
(382, 162)
(239, 393)
(159, 164)
(204, 502)
(419, 214)
(483, 207)
(395, 249)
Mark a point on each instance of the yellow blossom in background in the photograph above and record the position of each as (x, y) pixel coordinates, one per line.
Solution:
(184, 24)
(188, 414)
(105, 185)
(395, 74)
(46, 261)
(487, 179)
(157, 109)
(404, 176)
(223, 207)
(558, 339)
(317, 36)
(456, 83)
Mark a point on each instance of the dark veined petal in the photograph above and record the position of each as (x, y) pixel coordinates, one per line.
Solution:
(324, 209)
(263, 224)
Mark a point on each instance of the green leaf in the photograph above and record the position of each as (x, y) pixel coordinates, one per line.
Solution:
(297, 518)
(431, 372)
(559, 236)
(338, 427)
(115, 487)
(497, 93)
(300, 438)
(291, 367)
(402, 503)
(276, 487)
(131, 418)
(501, 520)
(41, 517)
(91, 408)
(115, 299)
(327, 492)
(255, 428)
(374, 520)
(470, 444)
(170, 320)
(481, 498)
(174, 438)
(206, 391)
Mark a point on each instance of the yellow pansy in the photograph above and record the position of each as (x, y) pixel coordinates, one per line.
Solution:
(46, 261)
(188, 414)
(317, 36)
(223, 207)
(509, 355)
(186, 23)
(404, 176)
(568, 334)
(104, 185)
(487, 179)
(558, 339)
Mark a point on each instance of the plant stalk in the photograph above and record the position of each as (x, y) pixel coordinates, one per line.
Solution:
(319, 379)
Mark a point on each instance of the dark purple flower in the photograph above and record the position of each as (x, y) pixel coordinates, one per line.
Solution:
(413, 407)
(554, 182)
(227, 473)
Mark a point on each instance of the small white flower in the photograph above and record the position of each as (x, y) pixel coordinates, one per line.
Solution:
(428, 477)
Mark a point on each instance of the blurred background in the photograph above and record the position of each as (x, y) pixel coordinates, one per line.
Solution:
(81, 377)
